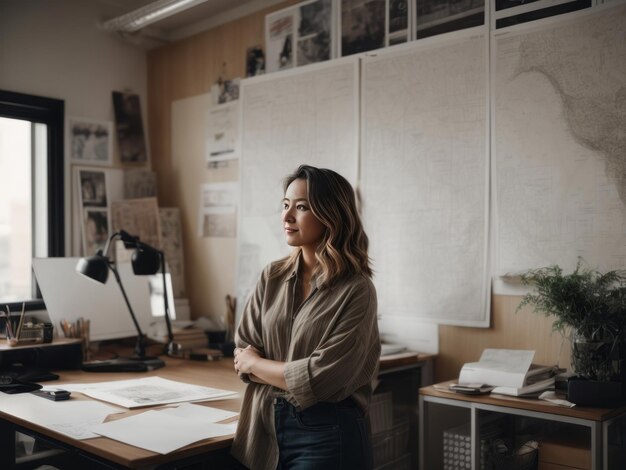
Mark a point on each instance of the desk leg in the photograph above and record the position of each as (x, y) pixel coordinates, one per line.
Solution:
(7, 435)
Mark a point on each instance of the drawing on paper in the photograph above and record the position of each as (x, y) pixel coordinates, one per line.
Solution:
(139, 183)
(138, 217)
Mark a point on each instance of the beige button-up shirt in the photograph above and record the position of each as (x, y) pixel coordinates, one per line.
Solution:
(330, 345)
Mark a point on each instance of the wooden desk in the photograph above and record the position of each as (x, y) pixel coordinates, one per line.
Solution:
(113, 454)
(403, 373)
(442, 411)
(408, 360)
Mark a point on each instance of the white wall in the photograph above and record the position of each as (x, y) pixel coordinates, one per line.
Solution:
(53, 48)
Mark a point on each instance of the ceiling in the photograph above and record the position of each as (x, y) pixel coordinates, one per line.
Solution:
(196, 19)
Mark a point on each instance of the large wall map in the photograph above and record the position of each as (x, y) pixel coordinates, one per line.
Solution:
(425, 178)
(560, 143)
(306, 115)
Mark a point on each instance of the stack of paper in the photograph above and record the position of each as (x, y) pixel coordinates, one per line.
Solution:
(510, 371)
(185, 425)
(148, 391)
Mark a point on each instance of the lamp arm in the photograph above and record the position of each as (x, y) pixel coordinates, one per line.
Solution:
(105, 252)
(140, 350)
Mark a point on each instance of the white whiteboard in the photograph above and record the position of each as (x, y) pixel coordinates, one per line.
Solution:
(307, 115)
(559, 143)
(425, 178)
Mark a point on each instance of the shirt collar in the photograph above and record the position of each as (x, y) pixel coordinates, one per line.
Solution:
(294, 272)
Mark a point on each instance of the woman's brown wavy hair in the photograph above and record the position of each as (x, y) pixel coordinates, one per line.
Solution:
(343, 248)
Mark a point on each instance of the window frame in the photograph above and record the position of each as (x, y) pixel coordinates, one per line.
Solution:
(51, 112)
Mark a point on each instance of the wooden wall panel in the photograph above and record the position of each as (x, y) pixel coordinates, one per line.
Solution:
(188, 68)
(183, 69)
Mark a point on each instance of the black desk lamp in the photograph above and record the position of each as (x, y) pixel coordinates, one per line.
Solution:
(145, 260)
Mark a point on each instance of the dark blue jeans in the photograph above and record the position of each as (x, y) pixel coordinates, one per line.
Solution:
(325, 436)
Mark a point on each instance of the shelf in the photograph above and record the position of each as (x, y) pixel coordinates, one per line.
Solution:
(483, 422)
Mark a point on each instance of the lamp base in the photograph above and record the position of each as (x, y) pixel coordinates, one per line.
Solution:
(124, 364)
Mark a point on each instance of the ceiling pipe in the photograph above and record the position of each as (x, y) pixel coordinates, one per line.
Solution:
(148, 14)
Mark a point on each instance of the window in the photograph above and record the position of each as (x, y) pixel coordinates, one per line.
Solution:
(32, 203)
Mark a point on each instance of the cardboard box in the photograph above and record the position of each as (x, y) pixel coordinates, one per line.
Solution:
(570, 451)
(554, 466)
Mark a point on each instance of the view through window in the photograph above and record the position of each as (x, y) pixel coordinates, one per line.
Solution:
(31, 192)
(21, 151)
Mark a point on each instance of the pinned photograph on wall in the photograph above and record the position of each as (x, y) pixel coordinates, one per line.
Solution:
(398, 22)
(314, 32)
(222, 133)
(279, 32)
(218, 210)
(228, 90)
(434, 17)
(362, 25)
(255, 61)
(95, 230)
(299, 35)
(90, 141)
(129, 127)
(92, 185)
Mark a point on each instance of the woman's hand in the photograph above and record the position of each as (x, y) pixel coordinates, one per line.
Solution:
(250, 361)
(245, 359)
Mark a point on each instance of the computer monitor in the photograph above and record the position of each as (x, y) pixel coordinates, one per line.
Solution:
(69, 295)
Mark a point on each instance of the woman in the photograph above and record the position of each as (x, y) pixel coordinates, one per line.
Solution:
(308, 342)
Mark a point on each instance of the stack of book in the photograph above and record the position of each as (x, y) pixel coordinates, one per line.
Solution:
(539, 378)
(189, 338)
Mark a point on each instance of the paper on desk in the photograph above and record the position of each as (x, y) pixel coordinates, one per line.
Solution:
(148, 391)
(552, 397)
(73, 418)
(162, 432)
(498, 367)
(204, 413)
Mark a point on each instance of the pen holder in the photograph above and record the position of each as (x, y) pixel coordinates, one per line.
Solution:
(78, 329)
(28, 335)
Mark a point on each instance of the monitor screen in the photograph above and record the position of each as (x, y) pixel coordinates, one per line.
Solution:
(69, 295)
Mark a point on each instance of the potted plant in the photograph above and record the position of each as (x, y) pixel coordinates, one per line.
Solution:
(592, 307)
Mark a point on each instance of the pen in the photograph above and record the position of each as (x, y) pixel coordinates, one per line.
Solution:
(19, 326)
(9, 327)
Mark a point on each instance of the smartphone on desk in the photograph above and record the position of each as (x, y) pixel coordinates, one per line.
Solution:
(53, 394)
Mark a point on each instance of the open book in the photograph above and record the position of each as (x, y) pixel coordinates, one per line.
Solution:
(510, 371)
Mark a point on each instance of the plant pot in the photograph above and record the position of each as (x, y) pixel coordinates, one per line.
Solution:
(584, 392)
(597, 359)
